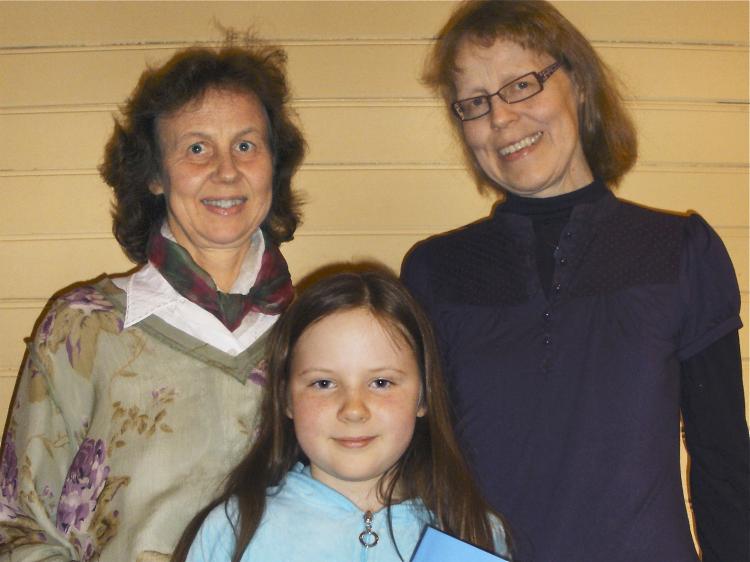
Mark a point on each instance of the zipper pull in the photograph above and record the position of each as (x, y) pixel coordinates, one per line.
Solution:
(368, 538)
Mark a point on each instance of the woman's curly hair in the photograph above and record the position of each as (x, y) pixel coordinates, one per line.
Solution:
(132, 158)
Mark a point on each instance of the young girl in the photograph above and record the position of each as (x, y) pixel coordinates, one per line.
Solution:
(356, 454)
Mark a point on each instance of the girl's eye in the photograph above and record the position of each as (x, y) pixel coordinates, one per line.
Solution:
(245, 146)
(196, 148)
(322, 384)
(381, 383)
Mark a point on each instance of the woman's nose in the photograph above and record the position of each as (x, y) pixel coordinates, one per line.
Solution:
(226, 167)
(501, 113)
(354, 408)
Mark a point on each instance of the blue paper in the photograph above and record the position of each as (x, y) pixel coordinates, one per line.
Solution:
(437, 546)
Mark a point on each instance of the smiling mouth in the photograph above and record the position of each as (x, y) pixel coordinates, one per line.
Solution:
(354, 442)
(520, 145)
(224, 203)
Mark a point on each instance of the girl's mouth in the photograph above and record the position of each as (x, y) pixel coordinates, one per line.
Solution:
(354, 442)
(520, 145)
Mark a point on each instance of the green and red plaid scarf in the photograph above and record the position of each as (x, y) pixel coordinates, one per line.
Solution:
(271, 293)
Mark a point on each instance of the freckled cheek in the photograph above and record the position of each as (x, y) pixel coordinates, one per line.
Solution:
(401, 411)
(307, 410)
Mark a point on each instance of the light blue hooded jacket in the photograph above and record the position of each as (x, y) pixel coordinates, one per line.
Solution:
(306, 521)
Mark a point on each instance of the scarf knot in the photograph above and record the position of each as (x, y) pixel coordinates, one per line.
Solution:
(270, 294)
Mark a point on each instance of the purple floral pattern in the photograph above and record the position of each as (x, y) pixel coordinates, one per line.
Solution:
(257, 375)
(83, 485)
(9, 479)
(45, 329)
(88, 299)
(17, 529)
(63, 474)
(75, 321)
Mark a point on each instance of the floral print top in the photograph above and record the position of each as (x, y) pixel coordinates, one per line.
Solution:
(118, 436)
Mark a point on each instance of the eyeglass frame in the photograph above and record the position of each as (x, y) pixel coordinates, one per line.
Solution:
(542, 76)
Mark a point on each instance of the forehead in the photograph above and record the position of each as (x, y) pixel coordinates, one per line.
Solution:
(354, 327)
(483, 66)
(472, 54)
(217, 107)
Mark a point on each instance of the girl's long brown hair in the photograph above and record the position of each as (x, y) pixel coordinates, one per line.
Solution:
(432, 468)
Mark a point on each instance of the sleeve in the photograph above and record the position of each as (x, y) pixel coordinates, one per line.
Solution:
(38, 449)
(215, 540)
(709, 290)
(48, 421)
(415, 275)
(716, 437)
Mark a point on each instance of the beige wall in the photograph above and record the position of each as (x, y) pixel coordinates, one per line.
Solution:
(382, 170)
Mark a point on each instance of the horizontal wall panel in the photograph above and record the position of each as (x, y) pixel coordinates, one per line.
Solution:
(374, 134)
(7, 384)
(141, 22)
(54, 205)
(662, 20)
(53, 267)
(659, 72)
(359, 71)
(692, 135)
(720, 196)
(430, 200)
(737, 242)
(56, 264)
(64, 141)
(314, 71)
(16, 324)
(95, 23)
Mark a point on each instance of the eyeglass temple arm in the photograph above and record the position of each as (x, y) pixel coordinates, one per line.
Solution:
(547, 72)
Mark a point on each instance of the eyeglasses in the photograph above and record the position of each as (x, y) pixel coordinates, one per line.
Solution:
(520, 89)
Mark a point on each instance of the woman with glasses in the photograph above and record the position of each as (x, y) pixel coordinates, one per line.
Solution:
(577, 328)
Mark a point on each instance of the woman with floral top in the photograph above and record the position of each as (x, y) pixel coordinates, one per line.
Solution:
(140, 392)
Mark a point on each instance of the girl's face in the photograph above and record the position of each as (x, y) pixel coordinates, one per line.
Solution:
(354, 396)
(531, 148)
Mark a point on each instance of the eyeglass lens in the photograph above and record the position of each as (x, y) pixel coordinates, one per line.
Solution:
(520, 89)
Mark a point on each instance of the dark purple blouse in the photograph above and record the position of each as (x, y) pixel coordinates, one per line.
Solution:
(568, 403)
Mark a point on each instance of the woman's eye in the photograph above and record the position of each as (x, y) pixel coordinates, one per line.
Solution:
(196, 148)
(477, 102)
(522, 85)
(245, 146)
(381, 383)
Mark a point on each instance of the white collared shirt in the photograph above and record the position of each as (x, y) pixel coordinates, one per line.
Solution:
(148, 292)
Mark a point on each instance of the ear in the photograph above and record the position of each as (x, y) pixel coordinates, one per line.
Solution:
(288, 412)
(156, 187)
(422, 410)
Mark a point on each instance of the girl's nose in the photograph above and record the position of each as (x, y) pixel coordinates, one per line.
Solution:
(354, 408)
(226, 168)
(501, 113)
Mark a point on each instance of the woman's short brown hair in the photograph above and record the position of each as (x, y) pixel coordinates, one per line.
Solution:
(607, 133)
(132, 158)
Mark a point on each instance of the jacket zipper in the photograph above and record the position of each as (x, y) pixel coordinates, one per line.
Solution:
(368, 538)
